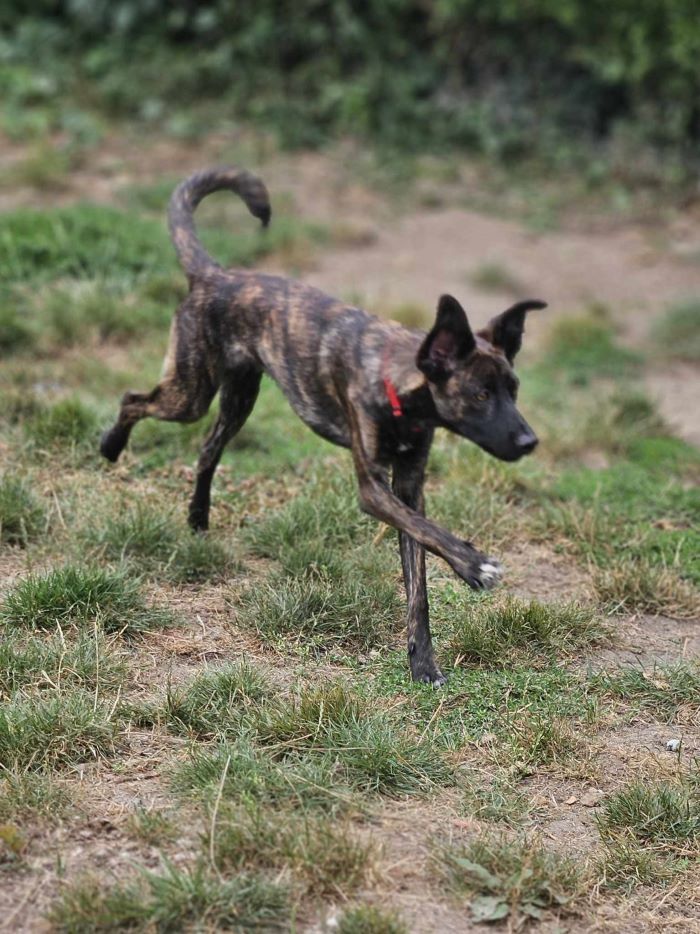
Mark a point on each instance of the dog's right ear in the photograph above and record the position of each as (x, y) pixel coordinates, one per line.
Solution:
(450, 341)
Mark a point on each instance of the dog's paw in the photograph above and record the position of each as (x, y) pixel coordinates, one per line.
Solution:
(490, 573)
(427, 672)
(112, 443)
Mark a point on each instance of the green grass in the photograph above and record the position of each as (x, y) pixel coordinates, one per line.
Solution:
(677, 333)
(153, 540)
(31, 796)
(372, 753)
(660, 816)
(583, 348)
(38, 733)
(80, 596)
(494, 277)
(627, 864)
(23, 516)
(172, 900)
(323, 855)
(318, 614)
(153, 826)
(667, 692)
(54, 663)
(516, 879)
(67, 423)
(369, 919)
(243, 773)
(217, 702)
(513, 630)
(498, 802)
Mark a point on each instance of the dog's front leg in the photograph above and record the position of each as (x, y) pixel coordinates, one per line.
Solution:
(377, 499)
(408, 478)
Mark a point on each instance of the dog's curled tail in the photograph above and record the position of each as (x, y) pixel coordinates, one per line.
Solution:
(194, 259)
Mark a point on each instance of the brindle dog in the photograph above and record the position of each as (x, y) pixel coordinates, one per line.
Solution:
(360, 382)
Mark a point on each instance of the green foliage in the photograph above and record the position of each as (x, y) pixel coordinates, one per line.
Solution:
(369, 919)
(173, 900)
(516, 879)
(583, 348)
(660, 816)
(22, 515)
(66, 423)
(670, 692)
(495, 632)
(677, 333)
(79, 596)
(32, 796)
(39, 733)
(507, 79)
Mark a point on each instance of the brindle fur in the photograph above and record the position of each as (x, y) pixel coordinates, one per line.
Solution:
(332, 361)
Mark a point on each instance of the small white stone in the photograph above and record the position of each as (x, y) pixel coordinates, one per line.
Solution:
(673, 745)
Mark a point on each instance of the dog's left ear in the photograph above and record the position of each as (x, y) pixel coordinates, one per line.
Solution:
(450, 341)
(505, 331)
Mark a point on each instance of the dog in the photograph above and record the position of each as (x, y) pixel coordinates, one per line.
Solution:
(360, 382)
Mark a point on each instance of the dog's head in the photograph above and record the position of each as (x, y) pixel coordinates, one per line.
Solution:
(471, 377)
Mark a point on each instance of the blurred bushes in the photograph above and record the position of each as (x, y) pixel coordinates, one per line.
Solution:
(507, 78)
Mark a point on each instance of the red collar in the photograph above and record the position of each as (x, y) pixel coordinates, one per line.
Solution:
(391, 393)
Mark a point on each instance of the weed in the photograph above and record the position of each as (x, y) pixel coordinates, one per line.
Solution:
(677, 333)
(40, 733)
(319, 613)
(368, 919)
(671, 692)
(75, 596)
(173, 900)
(16, 333)
(217, 702)
(22, 515)
(499, 802)
(513, 629)
(512, 878)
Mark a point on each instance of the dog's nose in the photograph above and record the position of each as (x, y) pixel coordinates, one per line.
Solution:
(526, 442)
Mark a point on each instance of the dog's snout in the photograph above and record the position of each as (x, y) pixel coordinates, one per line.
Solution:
(526, 442)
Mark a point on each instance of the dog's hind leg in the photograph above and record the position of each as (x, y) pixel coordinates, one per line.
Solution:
(239, 390)
(407, 482)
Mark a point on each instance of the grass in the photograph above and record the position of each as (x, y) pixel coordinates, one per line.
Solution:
(677, 333)
(323, 856)
(80, 596)
(369, 919)
(319, 614)
(32, 796)
(150, 538)
(174, 899)
(494, 277)
(667, 692)
(67, 423)
(153, 826)
(511, 878)
(583, 348)
(372, 753)
(55, 663)
(23, 516)
(217, 702)
(512, 630)
(661, 816)
(57, 731)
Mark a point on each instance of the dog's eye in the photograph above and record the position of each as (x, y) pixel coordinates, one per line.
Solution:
(482, 395)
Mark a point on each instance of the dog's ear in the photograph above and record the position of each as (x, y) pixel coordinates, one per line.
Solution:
(450, 341)
(505, 331)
